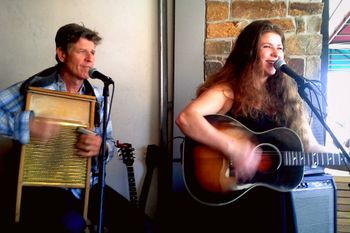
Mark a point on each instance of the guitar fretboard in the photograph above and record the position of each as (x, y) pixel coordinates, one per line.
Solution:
(292, 158)
(132, 185)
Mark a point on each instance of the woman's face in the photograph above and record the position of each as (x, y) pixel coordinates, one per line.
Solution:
(270, 49)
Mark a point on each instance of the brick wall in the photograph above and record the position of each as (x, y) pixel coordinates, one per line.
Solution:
(300, 20)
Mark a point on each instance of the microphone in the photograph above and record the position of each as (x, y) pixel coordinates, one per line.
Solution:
(94, 74)
(282, 66)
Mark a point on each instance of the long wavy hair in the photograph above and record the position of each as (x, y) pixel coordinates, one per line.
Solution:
(279, 97)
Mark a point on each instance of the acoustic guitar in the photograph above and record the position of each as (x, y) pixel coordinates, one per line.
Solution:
(209, 175)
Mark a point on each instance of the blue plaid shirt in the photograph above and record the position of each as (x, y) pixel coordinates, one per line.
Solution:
(14, 122)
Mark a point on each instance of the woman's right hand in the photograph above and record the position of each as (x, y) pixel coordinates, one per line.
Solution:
(245, 157)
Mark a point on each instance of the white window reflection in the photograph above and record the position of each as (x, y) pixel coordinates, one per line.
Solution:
(338, 98)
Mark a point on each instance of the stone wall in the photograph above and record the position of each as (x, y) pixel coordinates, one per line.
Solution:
(300, 20)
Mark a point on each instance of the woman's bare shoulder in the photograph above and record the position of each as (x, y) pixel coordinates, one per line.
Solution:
(223, 88)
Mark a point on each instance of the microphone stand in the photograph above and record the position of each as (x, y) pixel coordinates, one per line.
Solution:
(103, 157)
(302, 84)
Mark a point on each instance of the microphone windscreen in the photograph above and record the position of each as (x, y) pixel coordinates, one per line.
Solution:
(278, 64)
(91, 72)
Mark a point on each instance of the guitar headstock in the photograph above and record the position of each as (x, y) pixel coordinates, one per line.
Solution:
(126, 151)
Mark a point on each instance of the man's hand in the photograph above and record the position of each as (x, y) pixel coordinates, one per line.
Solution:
(88, 145)
(42, 129)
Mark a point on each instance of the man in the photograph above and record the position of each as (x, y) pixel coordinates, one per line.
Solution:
(54, 209)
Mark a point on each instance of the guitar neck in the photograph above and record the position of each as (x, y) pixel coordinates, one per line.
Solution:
(292, 158)
(132, 185)
(127, 152)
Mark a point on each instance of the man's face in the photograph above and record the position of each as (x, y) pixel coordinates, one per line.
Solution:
(79, 59)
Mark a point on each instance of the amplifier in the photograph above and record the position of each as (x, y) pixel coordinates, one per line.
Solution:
(314, 205)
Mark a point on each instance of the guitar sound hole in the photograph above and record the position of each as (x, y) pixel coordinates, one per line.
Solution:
(270, 159)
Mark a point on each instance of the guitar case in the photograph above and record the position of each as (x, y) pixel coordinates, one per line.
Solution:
(152, 154)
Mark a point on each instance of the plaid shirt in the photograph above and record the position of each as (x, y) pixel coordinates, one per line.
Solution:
(14, 122)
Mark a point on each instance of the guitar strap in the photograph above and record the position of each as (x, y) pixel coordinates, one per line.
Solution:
(46, 77)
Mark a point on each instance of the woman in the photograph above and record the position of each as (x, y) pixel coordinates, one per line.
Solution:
(249, 89)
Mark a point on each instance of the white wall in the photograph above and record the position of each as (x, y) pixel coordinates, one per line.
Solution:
(188, 67)
(128, 54)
